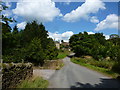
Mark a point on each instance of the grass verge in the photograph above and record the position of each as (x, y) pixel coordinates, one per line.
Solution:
(60, 66)
(63, 54)
(104, 71)
(34, 82)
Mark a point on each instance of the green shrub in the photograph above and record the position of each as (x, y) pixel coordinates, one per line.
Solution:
(116, 67)
(102, 63)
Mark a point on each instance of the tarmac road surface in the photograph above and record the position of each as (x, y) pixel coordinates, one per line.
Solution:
(76, 76)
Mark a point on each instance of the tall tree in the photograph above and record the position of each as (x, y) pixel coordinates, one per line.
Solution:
(15, 30)
(85, 44)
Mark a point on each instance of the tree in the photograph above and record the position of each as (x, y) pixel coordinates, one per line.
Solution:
(85, 44)
(100, 38)
(51, 50)
(34, 30)
(15, 30)
(6, 32)
(62, 41)
(113, 46)
(81, 43)
(35, 53)
(6, 38)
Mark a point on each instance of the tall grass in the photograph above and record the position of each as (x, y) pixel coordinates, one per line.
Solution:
(34, 82)
(103, 66)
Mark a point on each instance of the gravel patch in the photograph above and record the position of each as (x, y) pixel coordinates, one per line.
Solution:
(45, 73)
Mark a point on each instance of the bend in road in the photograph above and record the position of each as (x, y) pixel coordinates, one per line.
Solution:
(76, 76)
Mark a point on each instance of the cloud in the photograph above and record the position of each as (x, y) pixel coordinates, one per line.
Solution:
(40, 10)
(67, 3)
(90, 32)
(110, 22)
(21, 25)
(84, 11)
(64, 36)
(106, 36)
(61, 15)
(94, 19)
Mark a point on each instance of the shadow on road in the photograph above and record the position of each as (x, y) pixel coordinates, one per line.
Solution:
(105, 83)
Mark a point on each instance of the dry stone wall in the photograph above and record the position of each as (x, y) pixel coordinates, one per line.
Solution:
(13, 74)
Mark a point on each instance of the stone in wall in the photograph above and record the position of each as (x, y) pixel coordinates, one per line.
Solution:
(13, 74)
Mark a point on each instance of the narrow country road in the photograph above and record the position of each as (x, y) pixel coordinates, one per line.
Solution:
(76, 76)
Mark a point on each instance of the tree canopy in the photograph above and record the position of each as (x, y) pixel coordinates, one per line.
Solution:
(95, 45)
(31, 44)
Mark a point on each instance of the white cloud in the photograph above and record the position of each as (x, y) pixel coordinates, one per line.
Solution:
(40, 10)
(106, 36)
(61, 15)
(94, 19)
(64, 36)
(110, 22)
(90, 32)
(67, 3)
(21, 25)
(83, 11)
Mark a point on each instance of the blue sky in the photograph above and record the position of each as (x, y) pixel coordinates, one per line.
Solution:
(62, 22)
(82, 25)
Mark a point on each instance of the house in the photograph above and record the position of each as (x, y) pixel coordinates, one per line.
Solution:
(65, 43)
(57, 45)
(65, 46)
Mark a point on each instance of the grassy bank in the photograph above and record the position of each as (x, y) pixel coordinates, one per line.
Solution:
(51, 64)
(34, 82)
(63, 54)
(103, 67)
(59, 66)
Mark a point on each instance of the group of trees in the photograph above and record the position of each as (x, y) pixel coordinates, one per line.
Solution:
(95, 45)
(31, 44)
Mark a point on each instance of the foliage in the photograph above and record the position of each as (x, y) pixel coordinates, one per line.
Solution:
(103, 64)
(99, 48)
(116, 67)
(35, 52)
(51, 50)
(31, 44)
(63, 54)
(97, 66)
(85, 44)
(15, 30)
(35, 82)
(95, 45)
